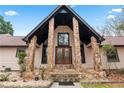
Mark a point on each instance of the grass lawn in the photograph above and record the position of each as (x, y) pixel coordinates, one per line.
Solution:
(103, 85)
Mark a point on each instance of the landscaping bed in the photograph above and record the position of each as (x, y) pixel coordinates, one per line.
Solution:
(116, 75)
(28, 84)
(114, 79)
(13, 80)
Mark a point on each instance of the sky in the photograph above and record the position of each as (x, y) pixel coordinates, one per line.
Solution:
(25, 17)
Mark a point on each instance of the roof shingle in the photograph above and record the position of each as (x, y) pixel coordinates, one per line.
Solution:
(8, 40)
(114, 40)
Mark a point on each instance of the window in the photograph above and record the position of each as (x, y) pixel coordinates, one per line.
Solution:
(63, 11)
(21, 49)
(82, 53)
(44, 55)
(63, 39)
(44, 52)
(114, 57)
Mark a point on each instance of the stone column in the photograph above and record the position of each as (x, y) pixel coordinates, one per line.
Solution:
(30, 59)
(96, 54)
(50, 43)
(77, 52)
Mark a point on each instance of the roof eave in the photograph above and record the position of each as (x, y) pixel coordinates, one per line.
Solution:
(41, 23)
(52, 13)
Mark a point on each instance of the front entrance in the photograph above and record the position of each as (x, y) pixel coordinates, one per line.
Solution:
(63, 55)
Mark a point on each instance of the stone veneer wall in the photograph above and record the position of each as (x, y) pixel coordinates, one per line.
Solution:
(50, 43)
(31, 54)
(29, 73)
(38, 57)
(76, 44)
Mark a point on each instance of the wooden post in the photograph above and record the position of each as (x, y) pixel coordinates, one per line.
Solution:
(50, 43)
(76, 44)
(96, 54)
(30, 59)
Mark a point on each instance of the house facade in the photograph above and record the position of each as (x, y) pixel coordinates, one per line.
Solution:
(62, 40)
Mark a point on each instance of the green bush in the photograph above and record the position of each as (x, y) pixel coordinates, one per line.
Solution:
(4, 77)
(108, 49)
(21, 62)
(21, 57)
(42, 70)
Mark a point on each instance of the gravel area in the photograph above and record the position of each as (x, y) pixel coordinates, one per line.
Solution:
(15, 81)
(29, 84)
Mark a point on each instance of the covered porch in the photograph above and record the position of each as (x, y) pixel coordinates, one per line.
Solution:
(62, 36)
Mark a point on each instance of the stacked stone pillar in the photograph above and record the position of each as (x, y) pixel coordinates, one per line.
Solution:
(77, 59)
(96, 54)
(30, 59)
(51, 43)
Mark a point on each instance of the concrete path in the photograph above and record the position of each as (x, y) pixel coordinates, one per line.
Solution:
(56, 85)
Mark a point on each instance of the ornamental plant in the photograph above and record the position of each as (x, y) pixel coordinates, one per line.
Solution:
(108, 49)
(21, 61)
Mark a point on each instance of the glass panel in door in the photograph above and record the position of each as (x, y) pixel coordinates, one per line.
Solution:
(59, 56)
(63, 55)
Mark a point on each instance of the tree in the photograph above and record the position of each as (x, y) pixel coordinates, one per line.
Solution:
(108, 50)
(5, 26)
(121, 26)
(113, 26)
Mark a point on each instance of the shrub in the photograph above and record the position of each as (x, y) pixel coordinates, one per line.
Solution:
(21, 57)
(21, 61)
(108, 49)
(4, 77)
(42, 70)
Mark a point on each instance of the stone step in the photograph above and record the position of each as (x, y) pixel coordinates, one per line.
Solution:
(66, 71)
(64, 75)
(64, 66)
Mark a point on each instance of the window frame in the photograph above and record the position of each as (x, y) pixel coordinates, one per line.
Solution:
(58, 40)
(116, 59)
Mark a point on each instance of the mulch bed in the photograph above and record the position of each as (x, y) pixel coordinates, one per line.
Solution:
(114, 76)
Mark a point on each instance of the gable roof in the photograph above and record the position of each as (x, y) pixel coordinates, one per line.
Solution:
(56, 11)
(7, 40)
(114, 40)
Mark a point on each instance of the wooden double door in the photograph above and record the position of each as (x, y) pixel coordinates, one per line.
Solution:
(63, 55)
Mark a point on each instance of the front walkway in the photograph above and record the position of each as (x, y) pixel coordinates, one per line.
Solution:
(56, 85)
